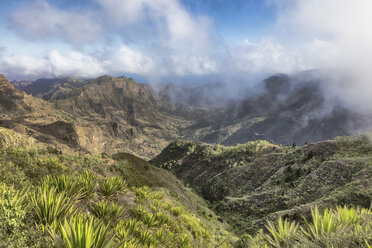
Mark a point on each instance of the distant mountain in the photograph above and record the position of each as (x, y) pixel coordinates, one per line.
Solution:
(49, 88)
(111, 114)
(120, 114)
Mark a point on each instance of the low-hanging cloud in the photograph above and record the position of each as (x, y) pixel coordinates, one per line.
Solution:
(342, 31)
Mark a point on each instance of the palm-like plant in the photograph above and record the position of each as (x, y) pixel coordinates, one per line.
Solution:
(109, 186)
(52, 207)
(88, 182)
(322, 225)
(65, 183)
(282, 233)
(347, 216)
(106, 210)
(146, 238)
(82, 232)
(125, 229)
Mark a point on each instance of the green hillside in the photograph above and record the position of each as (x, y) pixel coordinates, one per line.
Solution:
(54, 199)
(258, 181)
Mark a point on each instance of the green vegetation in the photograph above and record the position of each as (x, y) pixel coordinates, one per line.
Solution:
(340, 227)
(49, 199)
(249, 184)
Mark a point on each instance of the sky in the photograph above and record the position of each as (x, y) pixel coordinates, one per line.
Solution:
(185, 41)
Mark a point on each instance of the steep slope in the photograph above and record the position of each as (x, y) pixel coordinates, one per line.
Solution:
(151, 209)
(33, 116)
(120, 114)
(251, 183)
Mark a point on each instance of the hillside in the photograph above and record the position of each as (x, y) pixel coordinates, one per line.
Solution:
(120, 115)
(258, 181)
(127, 201)
(106, 115)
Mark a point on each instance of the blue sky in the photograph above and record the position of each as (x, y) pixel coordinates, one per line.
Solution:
(179, 40)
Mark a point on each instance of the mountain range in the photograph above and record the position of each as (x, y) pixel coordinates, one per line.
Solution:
(232, 165)
(121, 114)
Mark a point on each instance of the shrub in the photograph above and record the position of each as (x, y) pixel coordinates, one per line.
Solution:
(12, 213)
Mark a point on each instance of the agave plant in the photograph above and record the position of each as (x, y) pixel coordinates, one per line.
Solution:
(109, 186)
(82, 232)
(106, 210)
(282, 233)
(88, 182)
(322, 225)
(52, 207)
(161, 237)
(347, 216)
(125, 229)
(184, 241)
(146, 238)
(142, 193)
(66, 183)
(149, 220)
(161, 217)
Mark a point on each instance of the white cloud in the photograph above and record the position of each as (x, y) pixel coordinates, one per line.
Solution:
(74, 63)
(130, 61)
(20, 65)
(334, 34)
(40, 20)
(194, 65)
(175, 28)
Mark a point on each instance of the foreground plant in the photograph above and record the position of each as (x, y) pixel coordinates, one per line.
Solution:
(107, 210)
(82, 232)
(282, 233)
(52, 207)
(111, 185)
(66, 183)
(88, 182)
(321, 225)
